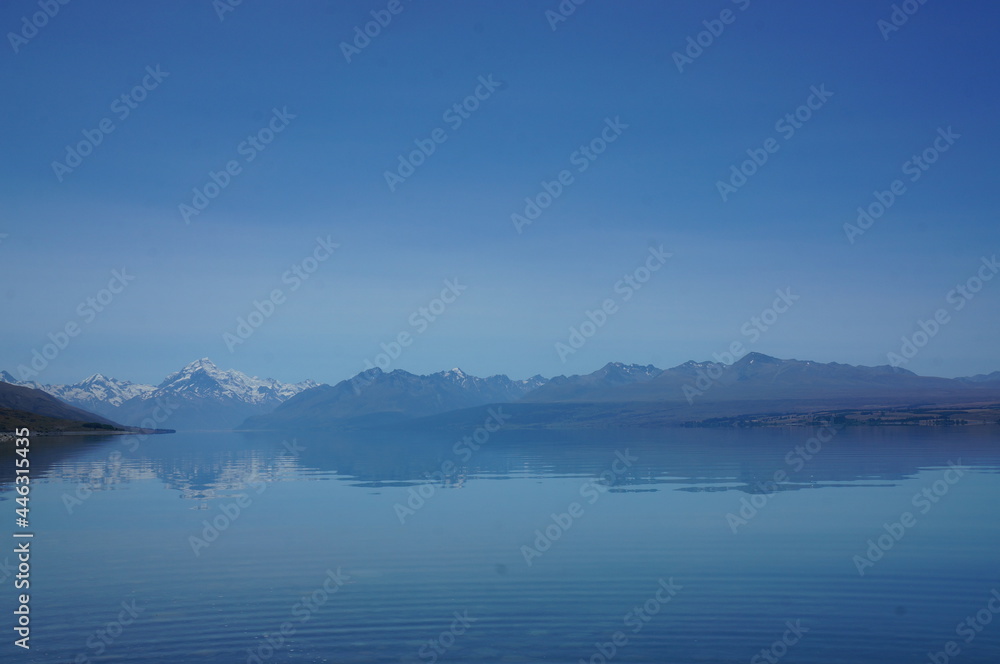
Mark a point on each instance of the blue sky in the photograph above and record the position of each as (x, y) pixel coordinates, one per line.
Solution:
(323, 175)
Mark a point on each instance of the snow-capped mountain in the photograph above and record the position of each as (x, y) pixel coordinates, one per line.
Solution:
(91, 393)
(198, 396)
(97, 390)
(203, 380)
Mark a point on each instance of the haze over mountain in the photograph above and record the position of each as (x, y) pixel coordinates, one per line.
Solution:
(376, 397)
(622, 395)
(612, 374)
(754, 377)
(983, 378)
(199, 396)
(202, 396)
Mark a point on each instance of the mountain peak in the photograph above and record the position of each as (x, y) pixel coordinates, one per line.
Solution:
(758, 358)
(627, 371)
(978, 378)
(95, 378)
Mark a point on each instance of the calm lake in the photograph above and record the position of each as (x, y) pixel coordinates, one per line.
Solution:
(676, 545)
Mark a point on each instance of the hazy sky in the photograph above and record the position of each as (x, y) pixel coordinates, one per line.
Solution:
(208, 80)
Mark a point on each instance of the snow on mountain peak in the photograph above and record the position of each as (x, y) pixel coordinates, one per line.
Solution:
(457, 375)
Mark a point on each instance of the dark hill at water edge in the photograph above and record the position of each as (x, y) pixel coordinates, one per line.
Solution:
(26, 399)
(12, 420)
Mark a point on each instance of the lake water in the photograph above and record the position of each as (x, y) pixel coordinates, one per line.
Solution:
(656, 546)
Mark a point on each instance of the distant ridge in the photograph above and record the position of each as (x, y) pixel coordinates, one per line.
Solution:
(374, 396)
(202, 396)
(621, 395)
(754, 377)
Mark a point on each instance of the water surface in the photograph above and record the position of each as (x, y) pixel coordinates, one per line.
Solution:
(544, 545)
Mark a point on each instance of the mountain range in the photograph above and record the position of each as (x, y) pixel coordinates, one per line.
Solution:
(620, 394)
(199, 396)
(202, 396)
(29, 400)
(376, 397)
